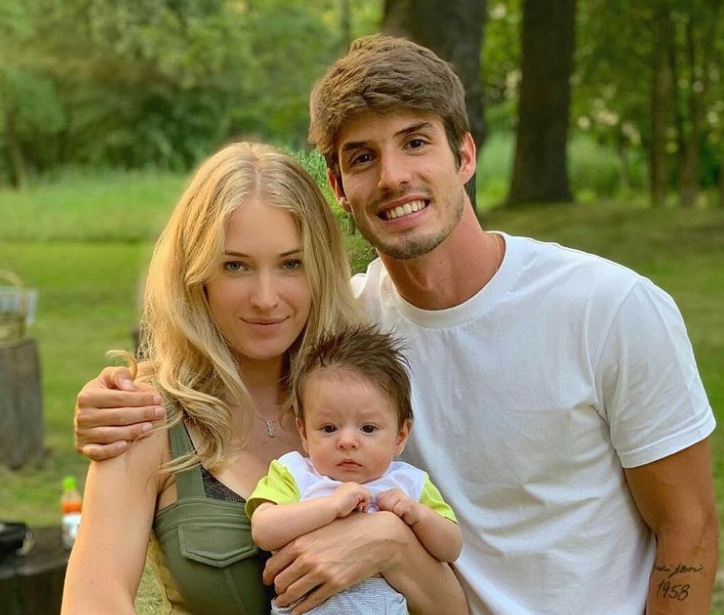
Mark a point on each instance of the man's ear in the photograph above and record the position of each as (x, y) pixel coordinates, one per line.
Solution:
(303, 434)
(338, 190)
(403, 436)
(468, 158)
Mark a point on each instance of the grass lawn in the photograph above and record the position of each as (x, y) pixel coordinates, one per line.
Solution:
(83, 243)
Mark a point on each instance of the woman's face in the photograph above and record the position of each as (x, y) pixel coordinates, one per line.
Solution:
(259, 296)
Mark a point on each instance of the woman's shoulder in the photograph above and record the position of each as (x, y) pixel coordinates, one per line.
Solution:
(142, 460)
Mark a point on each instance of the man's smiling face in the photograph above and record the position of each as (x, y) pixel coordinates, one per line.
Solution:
(401, 181)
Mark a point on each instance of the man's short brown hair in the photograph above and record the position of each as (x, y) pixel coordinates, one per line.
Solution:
(384, 74)
(364, 353)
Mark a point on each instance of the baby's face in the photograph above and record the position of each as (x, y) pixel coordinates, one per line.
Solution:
(350, 429)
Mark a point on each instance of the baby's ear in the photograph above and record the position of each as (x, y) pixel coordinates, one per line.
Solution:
(403, 436)
(303, 433)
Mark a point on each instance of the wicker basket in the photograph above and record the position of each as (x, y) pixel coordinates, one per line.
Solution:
(12, 315)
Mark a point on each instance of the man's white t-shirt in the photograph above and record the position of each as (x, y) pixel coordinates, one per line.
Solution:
(529, 400)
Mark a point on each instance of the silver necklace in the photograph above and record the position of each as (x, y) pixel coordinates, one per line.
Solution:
(270, 429)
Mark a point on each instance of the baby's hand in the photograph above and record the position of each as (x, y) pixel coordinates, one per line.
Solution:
(398, 502)
(350, 497)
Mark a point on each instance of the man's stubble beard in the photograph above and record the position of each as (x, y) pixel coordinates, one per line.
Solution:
(408, 249)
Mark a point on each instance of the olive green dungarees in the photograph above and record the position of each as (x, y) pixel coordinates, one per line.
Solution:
(202, 550)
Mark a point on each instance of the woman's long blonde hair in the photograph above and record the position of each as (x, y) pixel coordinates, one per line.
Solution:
(188, 359)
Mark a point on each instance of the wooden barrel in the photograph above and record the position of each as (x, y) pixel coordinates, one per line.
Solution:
(32, 584)
(21, 406)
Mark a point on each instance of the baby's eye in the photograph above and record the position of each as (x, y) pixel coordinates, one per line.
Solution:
(234, 266)
(329, 429)
(369, 428)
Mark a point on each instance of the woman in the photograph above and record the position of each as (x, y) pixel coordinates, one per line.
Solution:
(249, 272)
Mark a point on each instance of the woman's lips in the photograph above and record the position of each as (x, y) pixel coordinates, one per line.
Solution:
(264, 326)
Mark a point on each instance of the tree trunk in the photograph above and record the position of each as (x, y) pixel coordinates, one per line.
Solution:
(689, 179)
(345, 25)
(623, 173)
(19, 168)
(689, 169)
(660, 104)
(721, 183)
(21, 408)
(679, 120)
(540, 167)
(453, 29)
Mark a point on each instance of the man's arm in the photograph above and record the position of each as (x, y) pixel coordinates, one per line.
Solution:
(112, 411)
(675, 496)
(273, 525)
(347, 551)
(440, 536)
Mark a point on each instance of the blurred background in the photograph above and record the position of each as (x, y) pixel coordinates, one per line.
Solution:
(599, 124)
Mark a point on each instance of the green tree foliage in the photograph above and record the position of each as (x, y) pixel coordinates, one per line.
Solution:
(501, 68)
(28, 98)
(131, 83)
(619, 46)
(623, 49)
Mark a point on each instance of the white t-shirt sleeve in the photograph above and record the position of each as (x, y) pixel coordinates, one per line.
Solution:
(652, 396)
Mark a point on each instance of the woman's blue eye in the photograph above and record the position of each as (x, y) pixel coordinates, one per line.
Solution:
(293, 265)
(234, 266)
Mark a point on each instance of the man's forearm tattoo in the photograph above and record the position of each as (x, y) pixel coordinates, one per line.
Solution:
(673, 586)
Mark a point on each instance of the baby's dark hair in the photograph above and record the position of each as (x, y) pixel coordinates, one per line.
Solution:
(365, 353)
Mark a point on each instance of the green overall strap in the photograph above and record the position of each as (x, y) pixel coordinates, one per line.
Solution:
(189, 483)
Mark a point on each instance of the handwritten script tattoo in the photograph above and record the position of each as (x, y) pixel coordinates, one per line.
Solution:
(673, 592)
(680, 591)
(678, 569)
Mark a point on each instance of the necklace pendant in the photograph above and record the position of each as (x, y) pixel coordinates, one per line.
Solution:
(270, 431)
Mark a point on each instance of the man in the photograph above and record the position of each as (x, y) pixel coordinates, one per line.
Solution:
(556, 393)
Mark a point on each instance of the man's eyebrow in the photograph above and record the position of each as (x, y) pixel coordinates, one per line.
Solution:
(414, 128)
(243, 255)
(352, 145)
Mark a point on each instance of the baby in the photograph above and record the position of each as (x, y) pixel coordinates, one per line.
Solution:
(354, 416)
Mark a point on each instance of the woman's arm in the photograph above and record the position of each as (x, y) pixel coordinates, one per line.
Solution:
(440, 536)
(273, 526)
(108, 557)
(347, 551)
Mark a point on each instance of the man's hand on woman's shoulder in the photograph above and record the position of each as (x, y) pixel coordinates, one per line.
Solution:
(112, 411)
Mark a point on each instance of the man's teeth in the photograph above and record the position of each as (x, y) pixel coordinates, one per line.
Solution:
(403, 210)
